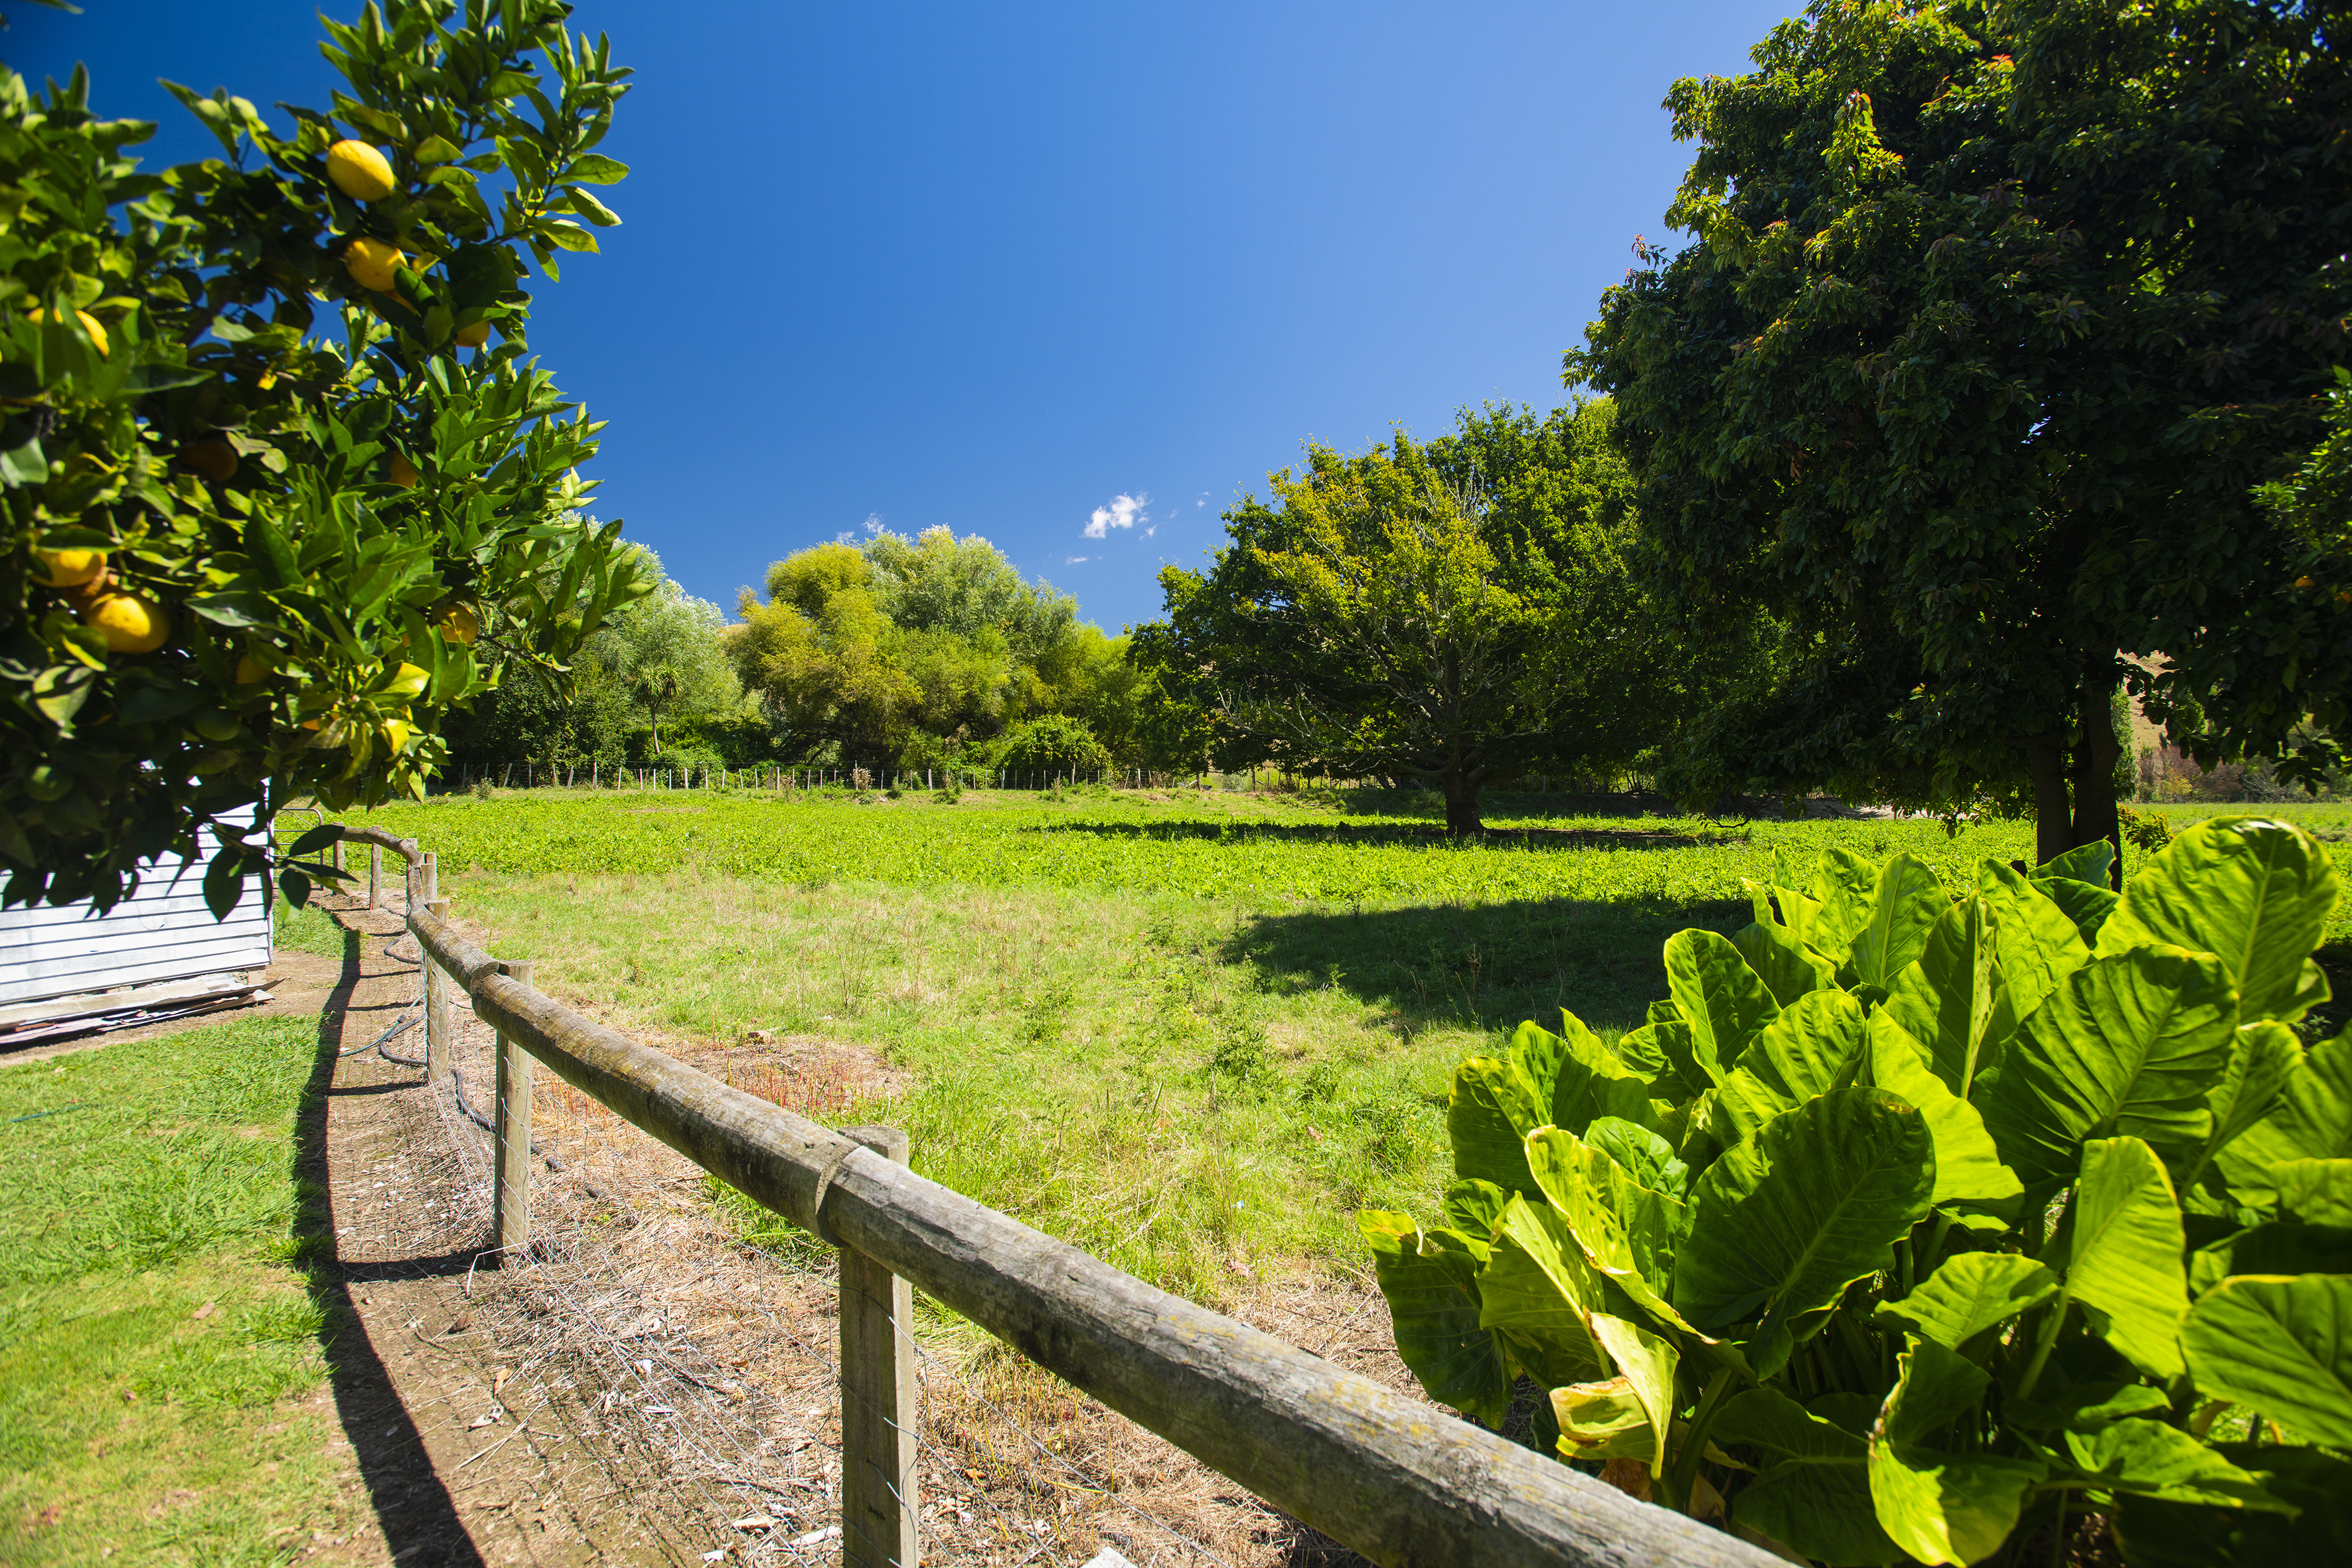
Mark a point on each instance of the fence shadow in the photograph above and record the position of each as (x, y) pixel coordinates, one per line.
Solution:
(1482, 965)
(418, 1517)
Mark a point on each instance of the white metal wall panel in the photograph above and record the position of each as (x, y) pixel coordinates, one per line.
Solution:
(162, 932)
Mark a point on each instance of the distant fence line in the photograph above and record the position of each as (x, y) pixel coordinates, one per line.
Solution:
(1371, 1467)
(776, 776)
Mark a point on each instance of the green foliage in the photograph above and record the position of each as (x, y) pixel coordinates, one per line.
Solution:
(1052, 744)
(1981, 1208)
(336, 540)
(1994, 319)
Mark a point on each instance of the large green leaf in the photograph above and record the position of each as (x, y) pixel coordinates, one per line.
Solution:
(2131, 1043)
(1786, 965)
(1783, 1223)
(1646, 1362)
(1588, 1079)
(2313, 1123)
(2088, 905)
(2275, 1246)
(1969, 1293)
(1812, 1493)
(1844, 885)
(2255, 891)
(1811, 1046)
(1944, 999)
(1662, 1053)
(2085, 863)
(1435, 1304)
(1605, 1420)
(1723, 1001)
(2318, 1192)
(1475, 1207)
(2155, 1459)
(2124, 1259)
(2262, 1057)
(1627, 1231)
(2039, 943)
(1937, 1505)
(1905, 905)
(1640, 1154)
(2157, 1533)
(1539, 1292)
(1968, 1166)
(1492, 1110)
(2281, 1343)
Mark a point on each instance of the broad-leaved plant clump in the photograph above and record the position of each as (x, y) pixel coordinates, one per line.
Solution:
(1916, 1227)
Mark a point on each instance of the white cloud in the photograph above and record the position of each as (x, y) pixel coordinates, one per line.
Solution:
(1072, 560)
(1152, 530)
(1121, 512)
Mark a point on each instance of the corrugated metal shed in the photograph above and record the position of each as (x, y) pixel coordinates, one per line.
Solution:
(163, 932)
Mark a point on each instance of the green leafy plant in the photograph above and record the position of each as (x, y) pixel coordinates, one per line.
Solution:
(275, 499)
(1915, 1227)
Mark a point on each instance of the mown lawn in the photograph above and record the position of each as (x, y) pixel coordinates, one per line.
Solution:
(157, 1330)
(1191, 1035)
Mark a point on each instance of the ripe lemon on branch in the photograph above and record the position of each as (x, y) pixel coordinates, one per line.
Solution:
(359, 171)
(69, 568)
(131, 623)
(459, 624)
(373, 263)
(404, 472)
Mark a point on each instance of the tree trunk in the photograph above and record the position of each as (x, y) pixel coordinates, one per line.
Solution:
(1460, 804)
(2096, 750)
(2053, 823)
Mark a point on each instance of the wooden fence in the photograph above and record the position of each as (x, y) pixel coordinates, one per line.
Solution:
(1398, 1481)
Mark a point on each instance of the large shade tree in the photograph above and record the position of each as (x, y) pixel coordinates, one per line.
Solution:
(1457, 611)
(1993, 322)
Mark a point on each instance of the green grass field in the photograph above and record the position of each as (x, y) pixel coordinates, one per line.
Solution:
(155, 1323)
(1191, 1035)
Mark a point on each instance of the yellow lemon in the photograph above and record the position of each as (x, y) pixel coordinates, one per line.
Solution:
(69, 568)
(475, 336)
(458, 623)
(90, 324)
(404, 472)
(128, 623)
(359, 170)
(372, 263)
(251, 671)
(214, 457)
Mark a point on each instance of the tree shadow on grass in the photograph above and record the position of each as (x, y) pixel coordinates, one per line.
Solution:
(1486, 966)
(1380, 834)
(418, 1517)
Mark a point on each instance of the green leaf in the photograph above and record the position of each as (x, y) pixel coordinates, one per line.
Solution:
(1475, 1207)
(1604, 1421)
(2155, 1459)
(2281, 1343)
(2090, 863)
(1938, 1506)
(2314, 1122)
(1589, 1081)
(239, 609)
(2275, 1246)
(1722, 1000)
(1813, 1046)
(2039, 944)
(1492, 1110)
(1969, 1293)
(438, 150)
(1663, 1053)
(1435, 1308)
(2129, 1044)
(1905, 905)
(568, 235)
(1626, 1231)
(2262, 1057)
(1968, 1165)
(1539, 1291)
(1783, 1223)
(2318, 1192)
(1944, 998)
(1813, 1494)
(2125, 1257)
(596, 169)
(1845, 886)
(2086, 904)
(1786, 965)
(1646, 1364)
(594, 210)
(2156, 1533)
(2255, 891)
(1640, 1154)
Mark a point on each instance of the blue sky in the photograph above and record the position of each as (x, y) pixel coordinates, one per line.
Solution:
(1073, 277)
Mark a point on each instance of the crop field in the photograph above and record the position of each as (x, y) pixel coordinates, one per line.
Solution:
(1190, 1033)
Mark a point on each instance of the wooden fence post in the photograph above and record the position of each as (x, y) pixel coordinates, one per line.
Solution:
(431, 877)
(880, 1402)
(436, 1006)
(375, 876)
(510, 1185)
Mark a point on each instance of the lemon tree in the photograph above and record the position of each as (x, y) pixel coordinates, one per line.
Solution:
(282, 487)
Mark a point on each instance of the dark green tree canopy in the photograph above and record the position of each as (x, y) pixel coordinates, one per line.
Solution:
(1993, 321)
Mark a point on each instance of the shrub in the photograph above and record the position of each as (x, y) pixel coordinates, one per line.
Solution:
(1052, 744)
(1910, 1227)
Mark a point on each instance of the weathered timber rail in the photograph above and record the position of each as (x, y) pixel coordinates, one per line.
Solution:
(1398, 1481)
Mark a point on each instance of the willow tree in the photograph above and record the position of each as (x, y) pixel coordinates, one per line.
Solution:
(1993, 322)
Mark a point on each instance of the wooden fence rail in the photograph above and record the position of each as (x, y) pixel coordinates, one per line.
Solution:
(1385, 1474)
